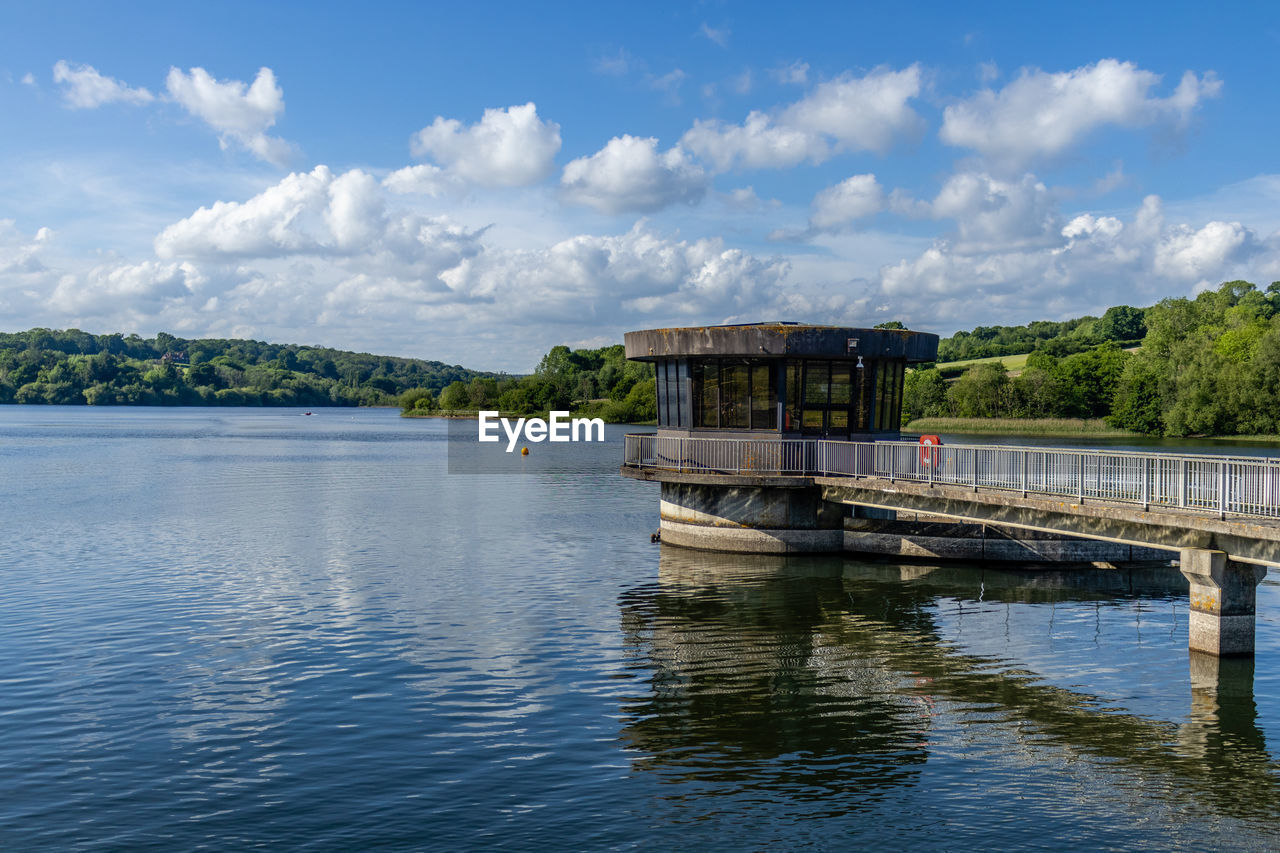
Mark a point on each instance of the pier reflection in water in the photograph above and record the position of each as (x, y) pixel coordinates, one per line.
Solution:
(830, 687)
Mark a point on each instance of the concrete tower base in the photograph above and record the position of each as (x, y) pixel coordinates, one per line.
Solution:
(755, 519)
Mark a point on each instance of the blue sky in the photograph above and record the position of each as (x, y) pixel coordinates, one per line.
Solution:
(479, 184)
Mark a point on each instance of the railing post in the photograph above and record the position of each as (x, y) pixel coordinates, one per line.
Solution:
(975, 469)
(893, 464)
(1025, 461)
(1146, 488)
(1182, 485)
(1080, 476)
(1222, 490)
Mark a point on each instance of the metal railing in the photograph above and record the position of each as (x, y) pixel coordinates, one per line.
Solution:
(1225, 485)
(722, 455)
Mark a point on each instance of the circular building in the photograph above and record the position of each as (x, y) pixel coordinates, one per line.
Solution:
(742, 411)
(781, 379)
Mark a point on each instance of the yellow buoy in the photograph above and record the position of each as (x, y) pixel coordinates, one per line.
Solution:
(524, 451)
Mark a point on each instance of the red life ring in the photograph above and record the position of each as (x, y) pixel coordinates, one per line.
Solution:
(929, 449)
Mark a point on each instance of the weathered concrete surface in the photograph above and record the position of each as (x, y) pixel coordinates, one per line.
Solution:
(1223, 602)
(1246, 540)
(748, 518)
(750, 540)
(780, 339)
(749, 506)
(979, 542)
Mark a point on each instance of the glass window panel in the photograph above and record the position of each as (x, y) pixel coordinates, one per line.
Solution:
(709, 409)
(817, 382)
(663, 405)
(866, 380)
(682, 394)
(841, 388)
(734, 411)
(899, 373)
(791, 417)
(764, 395)
(813, 418)
(884, 383)
(839, 419)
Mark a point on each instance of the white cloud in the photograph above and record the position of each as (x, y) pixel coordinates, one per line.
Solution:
(86, 88)
(507, 148)
(846, 114)
(1185, 253)
(341, 218)
(861, 113)
(142, 287)
(630, 174)
(615, 65)
(618, 280)
(239, 113)
(1096, 262)
(669, 84)
(1043, 113)
(848, 201)
(795, 74)
(28, 79)
(423, 179)
(757, 143)
(991, 214)
(719, 36)
(20, 254)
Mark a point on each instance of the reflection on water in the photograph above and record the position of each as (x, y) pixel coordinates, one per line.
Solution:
(235, 629)
(833, 685)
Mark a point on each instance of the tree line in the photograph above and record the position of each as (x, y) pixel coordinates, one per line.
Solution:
(72, 367)
(1123, 324)
(594, 382)
(1206, 366)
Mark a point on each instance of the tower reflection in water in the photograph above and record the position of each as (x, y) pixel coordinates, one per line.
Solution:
(833, 682)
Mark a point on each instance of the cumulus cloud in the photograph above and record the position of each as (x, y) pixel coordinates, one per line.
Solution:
(757, 143)
(423, 179)
(845, 114)
(85, 88)
(20, 254)
(848, 201)
(1094, 262)
(239, 113)
(341, 218)
(623, 279)
(143, 287)
(630, 174)
(506, 148)
(1042, 113)
(991, 214)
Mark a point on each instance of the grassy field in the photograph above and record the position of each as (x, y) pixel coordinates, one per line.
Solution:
(1017, 426)
(1012, 364)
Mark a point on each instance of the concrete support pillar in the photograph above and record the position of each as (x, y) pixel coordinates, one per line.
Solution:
(1223, 602)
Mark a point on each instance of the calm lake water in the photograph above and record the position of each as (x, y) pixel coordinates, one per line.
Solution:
(224, 629)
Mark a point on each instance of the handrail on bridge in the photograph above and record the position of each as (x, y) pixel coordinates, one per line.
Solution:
(1226, 485)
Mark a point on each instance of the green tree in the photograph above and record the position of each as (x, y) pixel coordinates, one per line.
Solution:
(982, 392)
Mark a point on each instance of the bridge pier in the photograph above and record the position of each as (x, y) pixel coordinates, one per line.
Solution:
(1223, 601)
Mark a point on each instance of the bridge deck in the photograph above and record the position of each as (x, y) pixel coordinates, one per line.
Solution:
(1169, 501)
